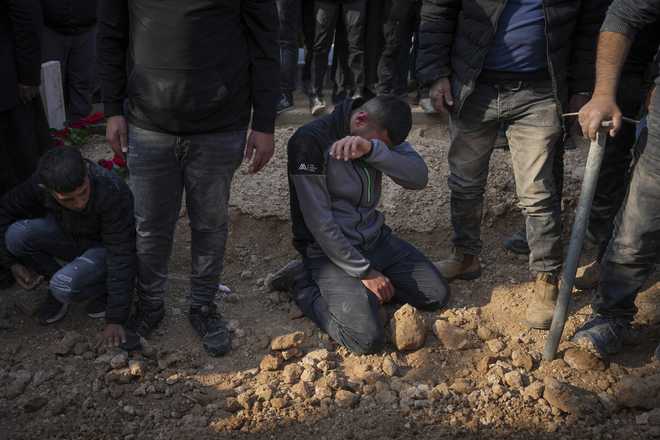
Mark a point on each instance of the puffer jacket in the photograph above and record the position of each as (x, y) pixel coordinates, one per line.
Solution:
(456, 35)
(107, 219)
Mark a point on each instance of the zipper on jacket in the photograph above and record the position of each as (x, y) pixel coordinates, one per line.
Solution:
(359, 202)
(369, 184)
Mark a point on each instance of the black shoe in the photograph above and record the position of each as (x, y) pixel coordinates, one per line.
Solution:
(95, 307)
(209, 325)
(283, 279)
(318, 106)
(51, 310)
(285, 103)
(517, 243)
(602, 336)
(143, 322)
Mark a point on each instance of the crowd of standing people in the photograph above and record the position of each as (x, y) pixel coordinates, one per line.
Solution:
(191, 90)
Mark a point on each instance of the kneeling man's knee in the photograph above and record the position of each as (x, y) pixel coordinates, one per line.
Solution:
(62, 287)
(367, 342)
(17, 238)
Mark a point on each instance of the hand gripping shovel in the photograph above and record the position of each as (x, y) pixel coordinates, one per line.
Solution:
(589, 183)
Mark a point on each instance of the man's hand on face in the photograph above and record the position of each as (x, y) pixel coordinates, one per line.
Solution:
(25, 277)
(116, 132)
(350, 148)
(441, 96)
(259, 150)
(379, 285)
(113, 335)
(597, 110)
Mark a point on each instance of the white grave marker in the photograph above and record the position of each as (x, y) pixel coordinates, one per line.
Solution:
(52, 94)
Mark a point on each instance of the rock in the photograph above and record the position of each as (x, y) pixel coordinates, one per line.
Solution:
(334, 381)
(649, 418)
(452, 337)
(638, 392)
(568, 398)
(35, 404)
(385, 397)
(498, 390)
(583, 360)
(308, 375)
(263, 393)
(285, 342)
(291, 353)
(514, 379)
(389, 367)
(326, 366)
(246, 275)
(129, 409)
(535, 390)
(346, 399)
(170, 359)
(520, 359)
(120, 360)
(304, 390)
(66, 344)
(246, 400)
(322, 391)
(461, 386)
(316, 356)
(279, 403)
(609, 403)
(495, 345)
(408, 328)
(440, 391)
(291, 373)
(485, 333)
(232, 405)
(484, 363)
(136, 368)
(271, 362)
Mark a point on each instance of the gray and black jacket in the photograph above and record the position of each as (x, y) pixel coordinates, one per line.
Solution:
(334, 203)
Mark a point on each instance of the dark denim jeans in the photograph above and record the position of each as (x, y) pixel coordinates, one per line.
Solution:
(345, 309)
(289, 12)
(39, 243)
(530, 116)
(161, 167)
(635, 245)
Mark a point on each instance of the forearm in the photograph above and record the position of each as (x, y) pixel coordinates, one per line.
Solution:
(613, 49)
(402, 164)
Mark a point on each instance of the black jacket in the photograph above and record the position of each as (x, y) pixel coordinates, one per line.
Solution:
(69, 16)
(456, 35)
(20, 48)
(107, 219)
(195, 66)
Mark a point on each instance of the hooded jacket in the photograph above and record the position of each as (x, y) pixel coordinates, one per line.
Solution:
(333, 202)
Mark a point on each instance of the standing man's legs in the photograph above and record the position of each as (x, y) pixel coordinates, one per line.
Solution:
(289, 12)
(633, 251)
(325, 14)
(80, 74)
(353, 14)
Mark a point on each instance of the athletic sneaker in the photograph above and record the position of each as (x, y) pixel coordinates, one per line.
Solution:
(95, 307)
(318, 106)
(210, 326)
(51, 310)
(283, 279)
(143, 322)
(601, 335)
(285, 103)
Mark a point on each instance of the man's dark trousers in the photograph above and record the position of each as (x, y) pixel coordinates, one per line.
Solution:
(344, 308)
(635, 245)
(352, 13)
(289, 12)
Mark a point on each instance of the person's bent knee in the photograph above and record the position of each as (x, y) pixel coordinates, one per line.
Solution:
(437, 296)
(17, 238)
(368, 343)
(61, 287)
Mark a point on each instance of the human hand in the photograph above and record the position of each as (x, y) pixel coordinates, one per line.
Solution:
(116, 132)
(27, 93)
(595, 112)
(379, 285)
(113, 335)
(25, 277)
(259, 149)
(350, 148)
(441, 96)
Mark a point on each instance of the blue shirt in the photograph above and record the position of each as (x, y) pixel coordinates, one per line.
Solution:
(519, 44)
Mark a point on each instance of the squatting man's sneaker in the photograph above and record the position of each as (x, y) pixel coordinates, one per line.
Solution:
(601, 335)
(460, 266)
(51, 310)
(542, 306)
(210, 326)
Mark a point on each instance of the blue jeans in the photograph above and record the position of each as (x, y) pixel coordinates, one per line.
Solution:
(530, 115)
(345, 309)
(290, 13)
(634, 249)
(161, 167)
(39, 243)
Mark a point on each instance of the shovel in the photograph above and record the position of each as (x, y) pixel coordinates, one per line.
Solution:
(589, 183)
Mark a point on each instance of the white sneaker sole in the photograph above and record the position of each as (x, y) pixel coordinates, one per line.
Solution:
(59, 316)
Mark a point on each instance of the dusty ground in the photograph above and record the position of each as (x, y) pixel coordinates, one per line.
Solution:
(485, 380)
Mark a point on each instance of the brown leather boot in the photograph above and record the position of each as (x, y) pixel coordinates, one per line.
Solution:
(590, 276)
(460, 266)
(542, 307)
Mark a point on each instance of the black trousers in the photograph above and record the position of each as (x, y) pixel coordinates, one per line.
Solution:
(326, 13)
(399, 28)
(289, 12)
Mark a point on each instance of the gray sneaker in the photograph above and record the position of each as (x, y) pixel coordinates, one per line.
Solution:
(601, 335)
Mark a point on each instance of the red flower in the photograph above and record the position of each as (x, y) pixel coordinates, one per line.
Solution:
(107, 164)
(119, 161)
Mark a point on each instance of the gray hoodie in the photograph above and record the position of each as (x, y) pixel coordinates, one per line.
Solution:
(333, 202)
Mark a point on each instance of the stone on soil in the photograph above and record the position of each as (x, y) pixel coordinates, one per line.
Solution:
(291, 373)
(452, 337)
(520, 359)
(534, 390)
(285, 342)
(408, 328)
(35, 404)
(271, 362)
(66, 344)
(583, 360)
(638, 392)
(120, 360)
(389, 367)
(495, 345)
(346, 399)
(568, 398)
(304, 390)
(514, 379)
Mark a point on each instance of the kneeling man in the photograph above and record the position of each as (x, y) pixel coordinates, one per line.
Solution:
(352, 262)
(72, 223)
